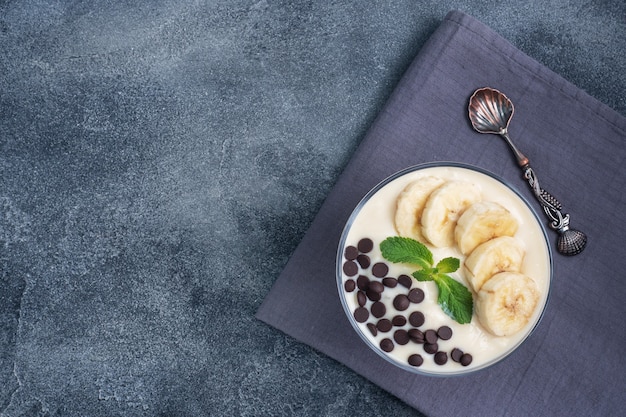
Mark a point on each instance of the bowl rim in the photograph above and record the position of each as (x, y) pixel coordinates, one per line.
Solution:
(339, 263)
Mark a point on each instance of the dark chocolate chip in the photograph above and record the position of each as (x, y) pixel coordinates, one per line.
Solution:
(416, 318)
(372, 328)
(365, 245)
(361, 298)
(405, 281)
(416, 335)
(386, 345)
(376, 286)
(456, 354)
(349, 285)
(390, 282)
(350, 268)
(441, 358)
(416, 360)
(363, 282)
(444, 333)
(466, 359)
(384, 325)
(401, 337)
(378, 309)
(373, 295)
(401, 302)
(430, 336)
(363, 260)
(361, 314)
(416, 295)
(380, 269)
(398, 320)
(431, 347)
(351, 252)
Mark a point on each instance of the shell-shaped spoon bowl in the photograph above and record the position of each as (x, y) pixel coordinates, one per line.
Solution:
(490, 111)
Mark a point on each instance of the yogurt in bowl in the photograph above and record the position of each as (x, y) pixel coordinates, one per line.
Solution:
(457, 212)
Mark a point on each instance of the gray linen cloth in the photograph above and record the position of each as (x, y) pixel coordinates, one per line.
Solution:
(574, 362)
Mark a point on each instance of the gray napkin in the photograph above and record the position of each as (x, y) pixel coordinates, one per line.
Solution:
(574, 362)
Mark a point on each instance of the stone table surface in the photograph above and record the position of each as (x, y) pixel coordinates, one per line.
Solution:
(161, 160)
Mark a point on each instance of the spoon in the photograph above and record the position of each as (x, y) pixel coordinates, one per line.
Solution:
(490, 111)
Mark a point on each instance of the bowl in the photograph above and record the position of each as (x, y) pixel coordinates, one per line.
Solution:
(420, 337)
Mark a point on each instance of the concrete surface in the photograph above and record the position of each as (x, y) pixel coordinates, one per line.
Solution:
(160, 161)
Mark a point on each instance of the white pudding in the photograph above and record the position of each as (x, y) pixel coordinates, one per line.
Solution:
(373, 219)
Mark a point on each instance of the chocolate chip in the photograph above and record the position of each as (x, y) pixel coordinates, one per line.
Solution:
(401, 337)
(416, 318)
(416, 295)
(416, 360)
(361, 298)
(431, 347)
(363, 260)
(398, 320)
(466, 359)
(365, 245)
(363, 282)
(416, 335)
(441, 358)
(349, 285)
(361, 314)
(390, 282)
(380, 269)
(456, 354)
(444, 333)
(401, 302)
(384, 325)
(378, 309)
(351, 252)
(372, 328)
(405, 281)
(430, 336)
(386, 345)
(376, 286)
(373, 295)
(350, 268)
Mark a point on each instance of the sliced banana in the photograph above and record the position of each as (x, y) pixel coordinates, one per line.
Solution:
(444, 207)
(481, 222)
(410, 205)
(501, 254)
(506, 302)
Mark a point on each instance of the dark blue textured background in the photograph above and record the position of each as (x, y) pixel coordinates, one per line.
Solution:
(159, 163)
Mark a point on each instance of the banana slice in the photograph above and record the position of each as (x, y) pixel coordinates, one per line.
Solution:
(481, 222)
(506, 303)
(410, 205)
(501, 254)
(443, 208)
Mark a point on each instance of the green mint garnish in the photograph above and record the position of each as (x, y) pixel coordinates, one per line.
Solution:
(454, 298)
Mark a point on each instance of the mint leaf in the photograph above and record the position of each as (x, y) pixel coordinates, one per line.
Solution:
(448, 265)
(423, 275)
(454, 298)
(406, 250)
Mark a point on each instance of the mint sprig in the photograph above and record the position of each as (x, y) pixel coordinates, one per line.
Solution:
(454, 298)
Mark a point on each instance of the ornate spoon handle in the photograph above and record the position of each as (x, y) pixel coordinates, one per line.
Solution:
(551, 206)
(570, 242)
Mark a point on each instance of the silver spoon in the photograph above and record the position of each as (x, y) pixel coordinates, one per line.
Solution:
(490, 111)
